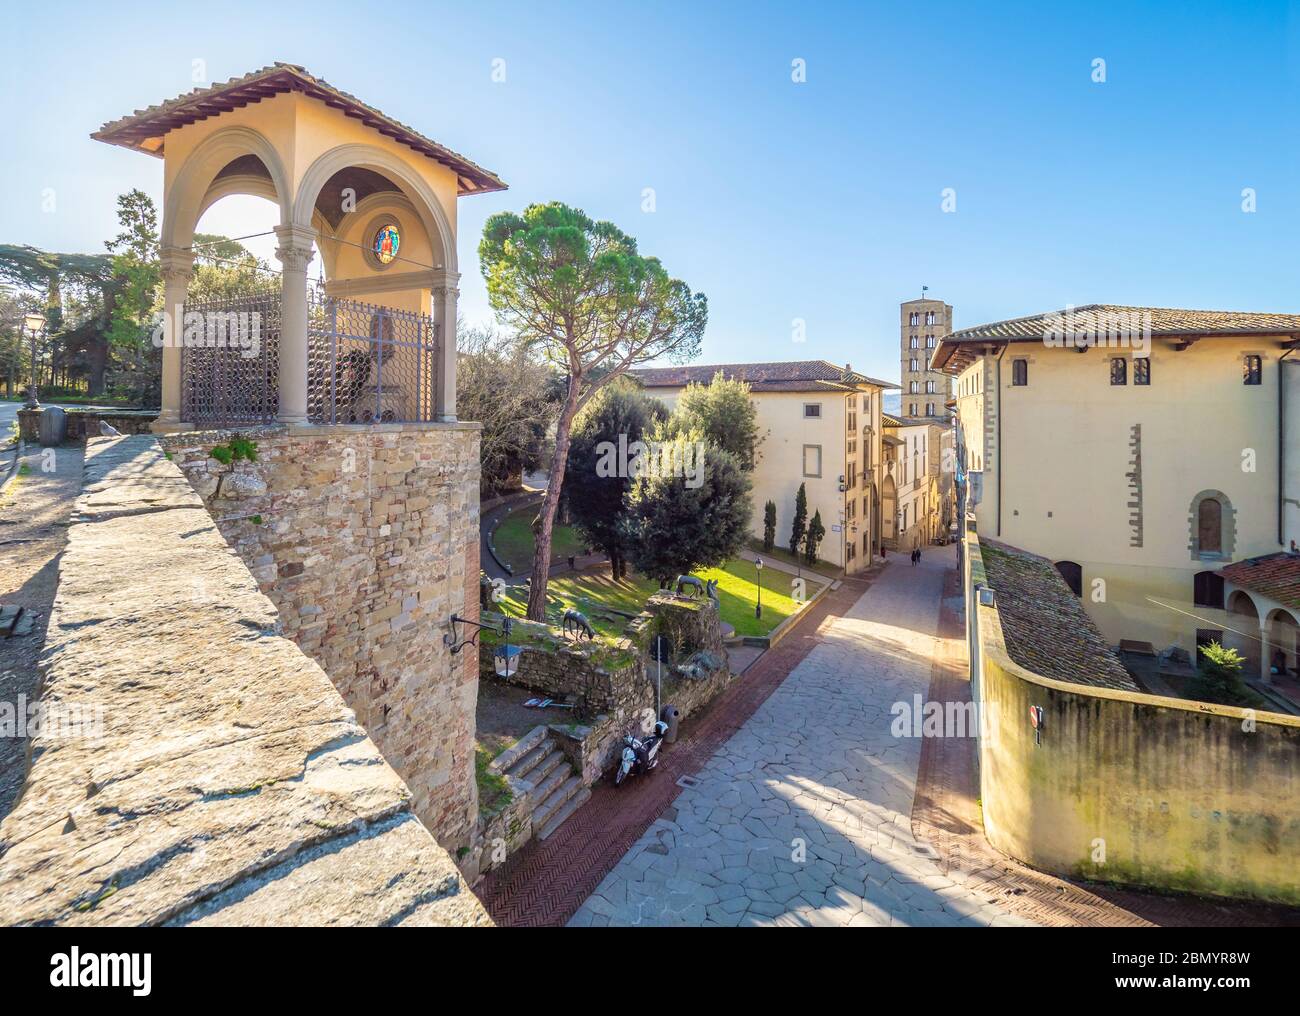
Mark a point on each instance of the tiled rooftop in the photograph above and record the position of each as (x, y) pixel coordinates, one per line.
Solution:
(1276, 576)
(1045, 627)
(776, 376)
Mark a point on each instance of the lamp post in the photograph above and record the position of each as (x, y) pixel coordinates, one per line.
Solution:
(758, 569)
(35, 323)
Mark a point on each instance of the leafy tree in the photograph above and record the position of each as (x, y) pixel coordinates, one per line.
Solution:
(1218, 678)
(503, 386)
(814, 538)
(677, 521)
(769, 526)
(137, 275)
(580, 294)
(617, 417)
(800, 524)
(726, 414)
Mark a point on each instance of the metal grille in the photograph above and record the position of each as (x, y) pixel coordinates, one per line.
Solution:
(369, 364)
(230, 359)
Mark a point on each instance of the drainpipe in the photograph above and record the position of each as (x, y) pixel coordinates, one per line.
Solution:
(998, 460)
(1281, 446)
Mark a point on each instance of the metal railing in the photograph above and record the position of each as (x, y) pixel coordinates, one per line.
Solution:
(230, 359)
(366, 363)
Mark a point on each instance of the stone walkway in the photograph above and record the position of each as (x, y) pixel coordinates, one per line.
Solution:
(804, 816)
(34, 511)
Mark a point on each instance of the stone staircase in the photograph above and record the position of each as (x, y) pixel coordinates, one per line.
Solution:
(556, 791)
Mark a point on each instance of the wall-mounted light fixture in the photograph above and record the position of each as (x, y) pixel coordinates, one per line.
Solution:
(457, 644)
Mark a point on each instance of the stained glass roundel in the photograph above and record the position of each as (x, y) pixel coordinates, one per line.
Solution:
(388, 239)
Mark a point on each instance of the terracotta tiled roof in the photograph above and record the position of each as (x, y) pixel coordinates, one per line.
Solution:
(1166, 321)
(1045, 627)
(889, 420)
(145, 130)
(1276, 576)
(779, 376)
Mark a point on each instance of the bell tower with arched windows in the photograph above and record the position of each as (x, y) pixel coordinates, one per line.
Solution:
(922, 324)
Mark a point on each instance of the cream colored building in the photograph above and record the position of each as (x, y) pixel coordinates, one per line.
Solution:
(915, 481)
(1142, 450)
(922, 325)
(820, 425)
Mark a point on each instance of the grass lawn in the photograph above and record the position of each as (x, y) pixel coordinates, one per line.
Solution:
(782, 554)
(737, 593)
(514, 540)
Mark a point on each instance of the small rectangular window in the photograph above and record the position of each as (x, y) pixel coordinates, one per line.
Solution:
(1118, 370)
(1142, 370)
(812, 410)
(1251, 370)
(1019, 373)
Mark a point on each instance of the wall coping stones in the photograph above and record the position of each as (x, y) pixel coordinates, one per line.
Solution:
(230, 784)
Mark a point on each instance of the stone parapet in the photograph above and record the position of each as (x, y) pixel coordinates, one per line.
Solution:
(215, 775)
(366, 539)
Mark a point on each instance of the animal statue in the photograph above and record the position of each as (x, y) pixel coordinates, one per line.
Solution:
(694, 586)
(711, 590)
(575, 623)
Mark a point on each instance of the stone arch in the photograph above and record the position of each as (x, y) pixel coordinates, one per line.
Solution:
(1227, 527)
(188, 194)
(427, 206)
(365, 210)
(1243, 629)
(1284, 634)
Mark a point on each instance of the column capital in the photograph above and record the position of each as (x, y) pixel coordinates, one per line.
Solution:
(445, 282)
(295, 246)
(176, 263)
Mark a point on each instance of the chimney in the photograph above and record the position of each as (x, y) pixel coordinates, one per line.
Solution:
(848, 372)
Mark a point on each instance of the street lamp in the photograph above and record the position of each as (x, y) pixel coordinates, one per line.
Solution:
(758, 568)
(35, 323)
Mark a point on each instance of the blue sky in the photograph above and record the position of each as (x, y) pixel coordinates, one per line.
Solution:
(818, 200)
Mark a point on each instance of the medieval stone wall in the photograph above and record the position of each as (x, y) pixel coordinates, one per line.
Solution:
(366, 539)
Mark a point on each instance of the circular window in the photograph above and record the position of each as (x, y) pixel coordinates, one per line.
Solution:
(387, 242)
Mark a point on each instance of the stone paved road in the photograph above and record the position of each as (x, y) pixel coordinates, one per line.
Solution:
(816, 765)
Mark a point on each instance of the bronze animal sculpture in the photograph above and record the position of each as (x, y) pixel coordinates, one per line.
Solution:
(575, 623)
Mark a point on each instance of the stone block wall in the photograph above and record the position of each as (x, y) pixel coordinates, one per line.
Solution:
(198, 768)
(366, 539)
(84, 423)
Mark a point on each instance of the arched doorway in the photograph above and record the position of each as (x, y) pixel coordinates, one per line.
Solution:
(1283, 642)
(1073, 575)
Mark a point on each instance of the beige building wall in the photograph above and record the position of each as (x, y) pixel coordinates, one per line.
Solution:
(815, 451)
(922, 324)
(1107, 476)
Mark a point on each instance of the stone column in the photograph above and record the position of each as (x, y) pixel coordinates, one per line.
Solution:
(445, 294)
(295, 254)
(1265, 650)
(177, 269)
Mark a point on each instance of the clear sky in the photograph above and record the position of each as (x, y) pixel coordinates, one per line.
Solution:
(818, 200)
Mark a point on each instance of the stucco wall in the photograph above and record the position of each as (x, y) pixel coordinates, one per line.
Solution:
(1133, 788)
(228, 783)
(1079, 483)
(366, 539)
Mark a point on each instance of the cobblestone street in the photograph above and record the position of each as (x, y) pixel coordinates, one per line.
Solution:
(804, 816)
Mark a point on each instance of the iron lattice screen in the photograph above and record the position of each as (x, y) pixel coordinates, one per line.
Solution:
(369, 364)
(365, 363)
(230, 360)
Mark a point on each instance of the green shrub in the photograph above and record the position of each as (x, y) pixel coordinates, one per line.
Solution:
(1218, 678)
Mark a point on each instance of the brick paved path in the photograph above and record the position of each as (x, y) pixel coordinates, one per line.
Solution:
(804, 817)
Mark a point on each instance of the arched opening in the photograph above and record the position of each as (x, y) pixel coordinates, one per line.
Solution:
(1072, 573)
(1207, 590)
(1243, 633)
(1283, 644)
(1209, 525)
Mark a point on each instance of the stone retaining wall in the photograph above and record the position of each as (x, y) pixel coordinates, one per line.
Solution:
(612, 685)
(366, 539)
(84, 423)
(222, 779)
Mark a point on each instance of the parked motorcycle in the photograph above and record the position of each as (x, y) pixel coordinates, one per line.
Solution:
(640, 754)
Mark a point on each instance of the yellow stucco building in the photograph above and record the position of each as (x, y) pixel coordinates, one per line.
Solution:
(820, 425)
(1143, 451)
